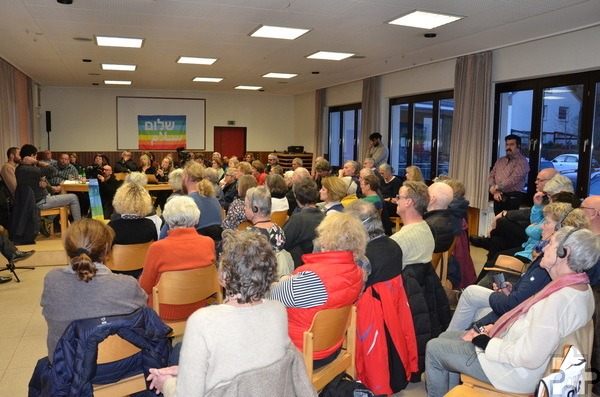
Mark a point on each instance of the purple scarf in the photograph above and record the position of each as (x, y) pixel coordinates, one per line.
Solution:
(510, 317)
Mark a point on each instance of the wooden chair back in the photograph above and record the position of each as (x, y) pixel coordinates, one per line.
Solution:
(120, 176)
(279, 217)
(439, 260)
(244, 225)
(127, 257)
(182, 287)
(63, 213)
(327, 328)
(115, 348)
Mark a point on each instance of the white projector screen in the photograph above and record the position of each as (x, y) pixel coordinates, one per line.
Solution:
(191, 112)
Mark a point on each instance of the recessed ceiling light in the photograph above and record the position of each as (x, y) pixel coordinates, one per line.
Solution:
(208, 79)
(330, 56)
(128, 42)
(248, 87)
(117, 82)
(115, 66)
(280, 75)
(277, 32)
(424, 19)
(196, 60)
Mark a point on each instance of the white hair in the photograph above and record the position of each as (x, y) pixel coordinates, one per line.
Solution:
(181, 211)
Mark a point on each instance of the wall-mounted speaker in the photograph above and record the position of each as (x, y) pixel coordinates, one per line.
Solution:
(48, 121)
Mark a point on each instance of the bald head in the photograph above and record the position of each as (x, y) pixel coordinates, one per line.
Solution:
(544, 176)
(440, 196)
(591, 207)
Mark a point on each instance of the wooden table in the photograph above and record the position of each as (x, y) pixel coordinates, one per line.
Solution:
(84, 187)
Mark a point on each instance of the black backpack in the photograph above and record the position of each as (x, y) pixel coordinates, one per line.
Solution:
(344, 386)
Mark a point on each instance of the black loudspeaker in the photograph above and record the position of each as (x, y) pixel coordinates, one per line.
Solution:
(295, 149)
(48, 121)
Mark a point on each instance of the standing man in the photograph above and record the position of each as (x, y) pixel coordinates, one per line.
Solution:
(377, 150)
(508, 176)
(8, 169)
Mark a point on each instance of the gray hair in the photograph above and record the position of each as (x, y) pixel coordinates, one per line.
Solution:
(443, 194)
(559, 183)
(212, 175)
(386, 167)
(417, 192)
(181, 211)
(368, 215)
(139, 178)
(176, 179)
(259, 199)
(584, 247)
(350, 185)
(301, 172)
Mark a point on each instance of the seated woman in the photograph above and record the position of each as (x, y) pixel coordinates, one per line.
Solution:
(369, 187)
(476, 301)
(278, 189)
(246, 332)
(258, 171)
(182, 249)
(176, 180)
(146, 165)
(328, 279)
(258, 211)
(236, 213)
(132, 202)
(86, 288)
(332, 192)
(512, 354)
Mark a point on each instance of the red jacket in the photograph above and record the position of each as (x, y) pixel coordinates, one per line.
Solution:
(343, 281)
(384, 307)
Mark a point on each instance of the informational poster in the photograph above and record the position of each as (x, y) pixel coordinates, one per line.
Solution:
(161, 132)
(95, 200)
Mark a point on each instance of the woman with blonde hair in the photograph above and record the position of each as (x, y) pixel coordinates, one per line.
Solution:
(333, 190)
(146, 165)
(86, 288)
(328, 279)
(413, 173)
(132, 202)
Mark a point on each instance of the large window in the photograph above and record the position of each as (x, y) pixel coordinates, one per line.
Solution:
(420, 132)
(344, 132)
(557, 120)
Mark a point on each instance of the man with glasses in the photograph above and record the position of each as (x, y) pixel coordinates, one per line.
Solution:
(415, 237)
(229, 188)
(508, 176)
(272, 161)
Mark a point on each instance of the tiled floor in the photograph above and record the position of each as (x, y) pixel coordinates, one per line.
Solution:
(23, 330)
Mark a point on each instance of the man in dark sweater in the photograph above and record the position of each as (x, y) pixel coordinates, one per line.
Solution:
(31, 175)
(300, 229)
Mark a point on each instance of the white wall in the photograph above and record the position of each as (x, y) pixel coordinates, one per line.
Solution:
(85, 119)
(304, 120)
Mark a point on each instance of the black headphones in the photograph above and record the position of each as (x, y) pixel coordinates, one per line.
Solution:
(253, 207)
(561, 252)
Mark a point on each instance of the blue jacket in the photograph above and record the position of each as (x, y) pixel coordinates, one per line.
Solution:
(74, 370)
(532, 281)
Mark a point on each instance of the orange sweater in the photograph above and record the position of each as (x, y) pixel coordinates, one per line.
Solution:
(183, 249)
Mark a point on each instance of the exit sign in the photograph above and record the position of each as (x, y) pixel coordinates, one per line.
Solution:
(230, 122)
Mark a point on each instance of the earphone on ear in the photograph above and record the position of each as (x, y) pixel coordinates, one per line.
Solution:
(561, 251)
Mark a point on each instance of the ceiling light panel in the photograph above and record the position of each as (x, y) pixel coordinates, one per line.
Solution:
(127, 42)
(248, 87)
(424, 20)
(196, 60)
(208, 79)
(117, 82)
(330, 56)
(115, 66)
(274, 75)
(277, 32)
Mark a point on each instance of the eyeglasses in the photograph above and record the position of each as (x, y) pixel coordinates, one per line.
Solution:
(399, 196)
(589, 208)
(538, 180)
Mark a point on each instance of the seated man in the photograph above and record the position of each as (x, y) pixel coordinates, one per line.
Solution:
(126, 164)
(65, 171)
(30, 175)
(415, 236)
(444, 225)
(108, 185)
(300, 229)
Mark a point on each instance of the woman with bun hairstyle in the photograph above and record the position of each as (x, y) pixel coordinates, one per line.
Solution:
(86, 288)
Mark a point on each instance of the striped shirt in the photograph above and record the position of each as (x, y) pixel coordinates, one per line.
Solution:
(301, 291)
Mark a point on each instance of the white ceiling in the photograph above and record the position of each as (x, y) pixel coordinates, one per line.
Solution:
(37, 37)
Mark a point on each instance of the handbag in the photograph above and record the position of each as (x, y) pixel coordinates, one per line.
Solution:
(568, 380)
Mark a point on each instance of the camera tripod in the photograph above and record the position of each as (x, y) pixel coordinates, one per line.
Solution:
(11, 268)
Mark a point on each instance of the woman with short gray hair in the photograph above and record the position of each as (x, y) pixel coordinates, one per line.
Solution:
(182, 249)
(257, 206)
